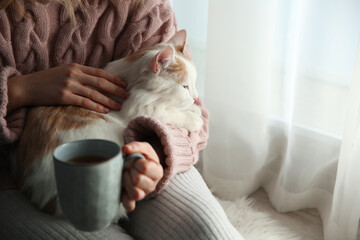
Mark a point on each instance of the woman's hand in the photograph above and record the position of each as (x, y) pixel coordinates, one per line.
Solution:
(141, 176)
(72, 84)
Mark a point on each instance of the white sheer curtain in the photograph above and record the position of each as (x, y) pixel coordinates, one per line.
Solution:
(283, 90)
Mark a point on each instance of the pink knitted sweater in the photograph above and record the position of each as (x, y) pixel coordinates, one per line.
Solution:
(103, 32)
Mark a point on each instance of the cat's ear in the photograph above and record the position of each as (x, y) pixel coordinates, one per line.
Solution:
(179, 40)
(162, 59)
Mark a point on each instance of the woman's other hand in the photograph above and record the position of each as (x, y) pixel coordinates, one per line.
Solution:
(72, 84)
(141, 176)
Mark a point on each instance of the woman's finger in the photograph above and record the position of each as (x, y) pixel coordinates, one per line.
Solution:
(97, 72)
(96, 96)
(142, 147)
(104, 85)
(148, 168)
(133, 192)
(141, 181)
(128, 204)
(80, 101)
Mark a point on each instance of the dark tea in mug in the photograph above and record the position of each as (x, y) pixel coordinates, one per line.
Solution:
(88, 159)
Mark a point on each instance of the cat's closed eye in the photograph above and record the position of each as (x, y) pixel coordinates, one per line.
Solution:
(186, 87)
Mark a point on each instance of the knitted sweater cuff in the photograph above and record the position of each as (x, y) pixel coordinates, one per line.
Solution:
(11, 125)
(181, 147)
(176, 144)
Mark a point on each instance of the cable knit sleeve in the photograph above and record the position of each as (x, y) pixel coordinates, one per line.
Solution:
(10, 125)
(181, 147)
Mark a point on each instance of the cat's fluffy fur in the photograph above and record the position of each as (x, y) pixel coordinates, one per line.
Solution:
(161, 80)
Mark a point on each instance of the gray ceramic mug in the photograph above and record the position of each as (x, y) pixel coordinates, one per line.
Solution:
(89, 192)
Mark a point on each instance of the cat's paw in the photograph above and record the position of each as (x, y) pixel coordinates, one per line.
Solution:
(192, 119)
(189, 118)
(194, 123)
(195, 118)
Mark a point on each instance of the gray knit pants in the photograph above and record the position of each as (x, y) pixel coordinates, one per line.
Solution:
(185, 210)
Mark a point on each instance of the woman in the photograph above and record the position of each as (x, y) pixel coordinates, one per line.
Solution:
(50, 52)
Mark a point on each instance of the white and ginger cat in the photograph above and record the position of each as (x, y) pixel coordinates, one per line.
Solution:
(161, 81)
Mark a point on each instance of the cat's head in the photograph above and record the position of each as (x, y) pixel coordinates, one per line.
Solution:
(173, 62)
(166, 69)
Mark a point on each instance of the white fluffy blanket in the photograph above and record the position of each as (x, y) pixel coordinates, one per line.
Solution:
(254, 224)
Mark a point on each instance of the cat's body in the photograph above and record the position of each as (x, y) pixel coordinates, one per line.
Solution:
(161, 82)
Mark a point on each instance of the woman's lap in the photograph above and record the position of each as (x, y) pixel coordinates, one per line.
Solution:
(19, 219)
(186, 209)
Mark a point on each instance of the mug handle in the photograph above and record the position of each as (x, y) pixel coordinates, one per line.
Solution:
(132, 157)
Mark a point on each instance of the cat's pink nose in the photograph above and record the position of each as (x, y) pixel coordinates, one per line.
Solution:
(195, 98)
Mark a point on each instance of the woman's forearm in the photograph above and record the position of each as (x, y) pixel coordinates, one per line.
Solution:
(17, 94)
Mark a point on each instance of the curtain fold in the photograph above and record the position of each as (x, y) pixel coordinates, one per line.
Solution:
(345, 207)
(284, 101)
